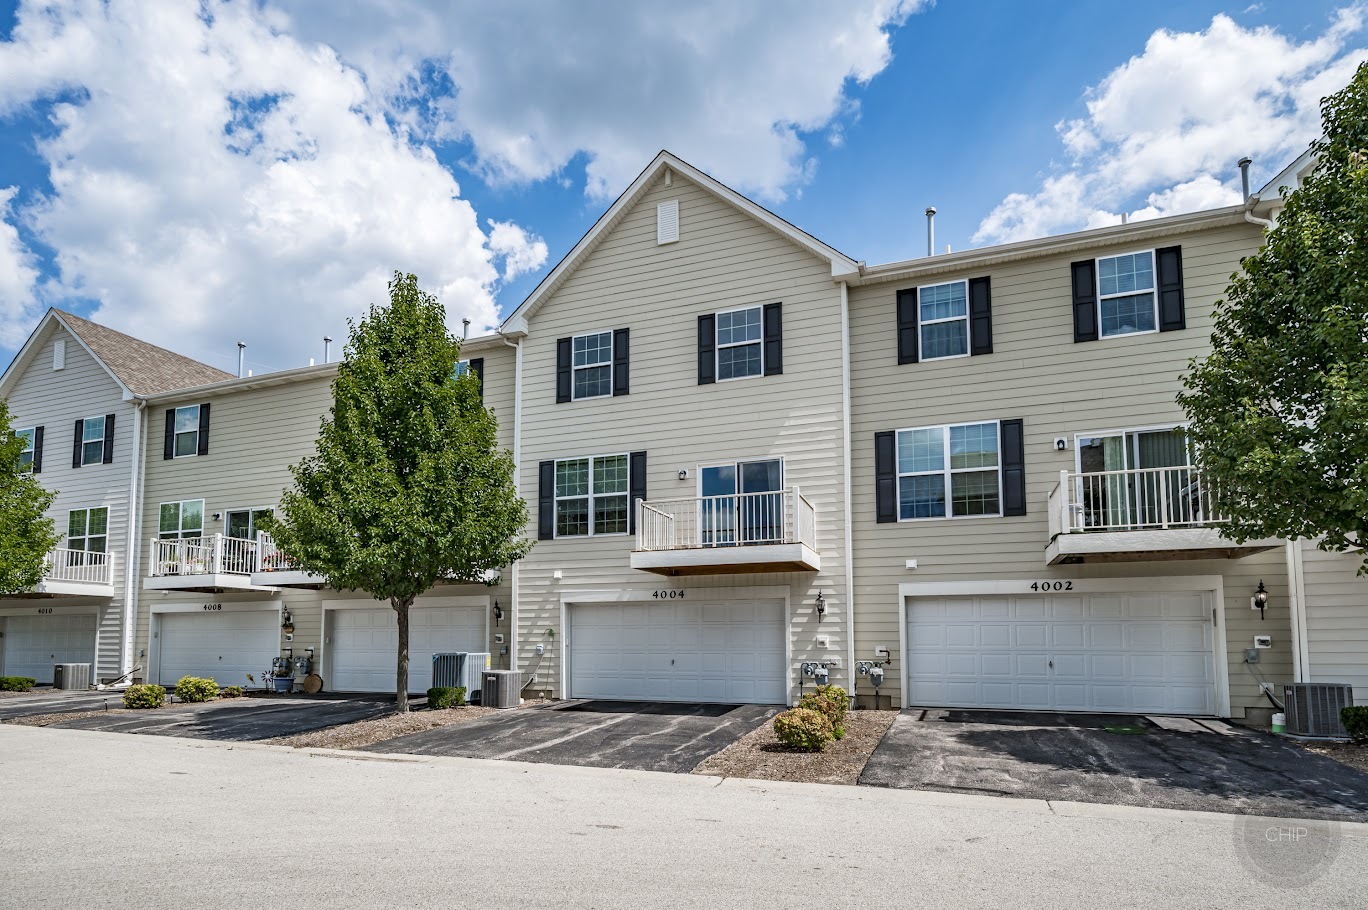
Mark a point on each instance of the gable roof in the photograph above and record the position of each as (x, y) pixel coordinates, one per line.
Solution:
(138, 367)
(516, 322)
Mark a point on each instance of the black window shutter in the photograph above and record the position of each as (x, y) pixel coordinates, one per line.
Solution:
(980, 315)
(563, 353)
(907, 326)
(1085, 300)
(76, 449)
(1170, 266)
(169, 448)
(546, 500)
(707, 349)
(1013, 468)
(38, 450)
(774, 339)
(636, 484)
(477, 367)
(203, 430)
(622, 380)
(886, 476)
(109, 440)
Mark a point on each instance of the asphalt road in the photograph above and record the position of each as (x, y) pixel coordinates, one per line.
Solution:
(105, 820)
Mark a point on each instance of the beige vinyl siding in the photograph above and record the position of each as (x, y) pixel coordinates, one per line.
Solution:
(1058, 388)
(723, 260)
(1336, 611)
(55, 400)
(255, 434)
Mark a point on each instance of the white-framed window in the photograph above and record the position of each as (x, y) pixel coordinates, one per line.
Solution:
(740, 348)
(592, 365)
(29, 436)
(187, 431)
(88, 530)
(462, 367)
(1126, 300)
(242, 523)
(950, 471)
(943, 317)
(181, 520)
(591, 496)
(92, 440)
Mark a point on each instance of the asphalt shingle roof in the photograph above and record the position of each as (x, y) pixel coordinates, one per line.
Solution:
(145, 368)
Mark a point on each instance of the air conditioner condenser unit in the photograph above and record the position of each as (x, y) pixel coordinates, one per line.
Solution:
(1313, 709)
(500, 688)
(461, 668)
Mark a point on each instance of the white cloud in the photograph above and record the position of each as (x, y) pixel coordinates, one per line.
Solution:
(729, 86)
(254, 170)
(18, 275)
(1169, 124)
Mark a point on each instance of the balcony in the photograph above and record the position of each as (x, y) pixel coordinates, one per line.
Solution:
(724, 535)
(1137, 515)
(275, 569)
(214, 563)
(76, 573)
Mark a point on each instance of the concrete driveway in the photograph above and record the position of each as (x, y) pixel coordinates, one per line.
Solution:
(1109, 759)
(598, 734)
(237, 719)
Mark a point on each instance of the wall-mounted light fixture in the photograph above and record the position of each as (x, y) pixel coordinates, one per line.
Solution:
(498, 612)
(286, 622)
(821, 606)
(683, 473)
(1260, 599)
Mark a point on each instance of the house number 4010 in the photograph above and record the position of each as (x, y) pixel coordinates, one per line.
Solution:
(668, 595)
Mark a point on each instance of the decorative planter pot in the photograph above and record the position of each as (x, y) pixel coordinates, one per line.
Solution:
(283, 683)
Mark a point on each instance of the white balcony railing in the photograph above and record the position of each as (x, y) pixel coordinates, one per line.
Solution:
(744, 519)
(216, 555)
(270, 558)
(79, 566)
(1132, 500)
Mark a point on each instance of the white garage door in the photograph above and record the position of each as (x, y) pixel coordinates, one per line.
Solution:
(1128, 653)
(34, 643)
(364, 645)
(718, 653)
(224, 647)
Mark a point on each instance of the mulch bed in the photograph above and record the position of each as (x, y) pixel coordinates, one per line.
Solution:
(1355, 755)
(760, 755)
(6, 693)
(364, 733)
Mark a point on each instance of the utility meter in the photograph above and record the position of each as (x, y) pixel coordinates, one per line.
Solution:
(820, 674)
(876, 676)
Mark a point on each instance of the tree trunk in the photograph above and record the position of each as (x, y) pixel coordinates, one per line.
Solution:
(401, 608)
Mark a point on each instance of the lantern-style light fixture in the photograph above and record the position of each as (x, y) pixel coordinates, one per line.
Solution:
(1261, 599)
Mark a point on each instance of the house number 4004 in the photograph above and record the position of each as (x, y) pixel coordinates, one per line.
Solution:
(668, 595)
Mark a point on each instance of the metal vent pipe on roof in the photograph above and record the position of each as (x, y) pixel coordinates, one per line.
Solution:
(930, 230)
(242, 353)
(327, 349)
(1245, 162)
(465, 329)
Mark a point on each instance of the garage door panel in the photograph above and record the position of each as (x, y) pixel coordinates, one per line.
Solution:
(1145, 652)
(363, 651)
(690, 652)
(33, 644)
(224, 647)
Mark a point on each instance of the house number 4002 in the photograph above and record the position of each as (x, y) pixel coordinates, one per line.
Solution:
(668, 595)
(1052, 586)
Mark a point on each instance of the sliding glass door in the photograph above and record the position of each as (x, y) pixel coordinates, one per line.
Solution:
(742, 503)
(1138, 478)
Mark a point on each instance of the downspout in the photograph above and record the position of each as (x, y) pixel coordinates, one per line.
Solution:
(1296, 603)
(1249, 199)
(130, 629)
(845, 461)
(513, 653)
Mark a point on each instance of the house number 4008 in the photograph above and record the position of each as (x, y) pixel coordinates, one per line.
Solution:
(668, 595)
(213, 606)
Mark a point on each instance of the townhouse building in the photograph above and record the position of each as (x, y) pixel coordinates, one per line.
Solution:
(75, 394)
(753, 463)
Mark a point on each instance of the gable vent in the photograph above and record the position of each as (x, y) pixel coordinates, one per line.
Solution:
(667, 222)
(59, 354)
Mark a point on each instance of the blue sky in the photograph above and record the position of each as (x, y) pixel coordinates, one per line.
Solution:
(199, 175)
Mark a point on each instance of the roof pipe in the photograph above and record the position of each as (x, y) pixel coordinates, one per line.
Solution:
(242, 357)
(1249, 200)
(930, 230)
(327, 349)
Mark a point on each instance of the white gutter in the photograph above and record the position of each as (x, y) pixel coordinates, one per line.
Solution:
(1255, 219)
(513, 654)
(134, 550)
(845, 461)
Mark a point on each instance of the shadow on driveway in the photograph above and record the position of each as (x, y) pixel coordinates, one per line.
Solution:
(57, 701)
(644, 736)
(239, 720)
(1112, 759)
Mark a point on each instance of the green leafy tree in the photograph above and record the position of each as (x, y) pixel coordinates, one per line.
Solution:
(407, 487)
(26, 533)
(1279, 409)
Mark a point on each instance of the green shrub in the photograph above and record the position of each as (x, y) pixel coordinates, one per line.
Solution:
(195, 688)
(446, 696)
(16, 683)
(830, 701)
(144, 697)
(803, 728)
(1355, 720)
(230, 692)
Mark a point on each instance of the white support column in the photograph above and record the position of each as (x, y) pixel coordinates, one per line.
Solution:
(216, 564)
